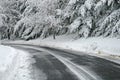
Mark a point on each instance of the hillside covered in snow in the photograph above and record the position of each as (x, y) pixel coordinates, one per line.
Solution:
(30, 19)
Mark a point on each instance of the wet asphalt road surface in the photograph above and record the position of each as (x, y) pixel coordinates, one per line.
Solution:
(54, 69)
(49, 65)
(105, 69)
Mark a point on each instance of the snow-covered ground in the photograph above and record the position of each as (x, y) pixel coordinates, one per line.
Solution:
(6, 56)
(110, 46)
(14, 64)
(98, 45)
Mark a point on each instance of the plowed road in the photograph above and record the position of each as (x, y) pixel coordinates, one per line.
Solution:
(66, 65)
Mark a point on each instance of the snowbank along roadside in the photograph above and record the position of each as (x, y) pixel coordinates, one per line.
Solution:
(15, 64)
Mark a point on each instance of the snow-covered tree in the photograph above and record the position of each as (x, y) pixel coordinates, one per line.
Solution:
(30, 19)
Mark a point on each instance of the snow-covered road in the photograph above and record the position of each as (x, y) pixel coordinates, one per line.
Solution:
(53, 64)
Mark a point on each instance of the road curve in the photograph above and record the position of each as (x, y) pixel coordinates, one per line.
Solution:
(63, 65)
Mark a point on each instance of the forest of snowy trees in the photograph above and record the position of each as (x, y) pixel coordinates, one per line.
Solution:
(30, 19)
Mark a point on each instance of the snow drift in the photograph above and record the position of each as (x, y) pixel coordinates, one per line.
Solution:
(15, 64)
